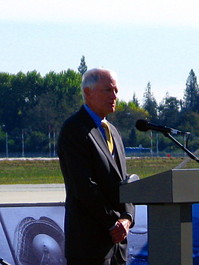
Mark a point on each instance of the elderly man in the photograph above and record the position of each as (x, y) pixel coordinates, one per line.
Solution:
(93, 164)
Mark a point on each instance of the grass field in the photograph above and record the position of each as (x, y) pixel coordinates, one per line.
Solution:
(148, 166)
(30, 171)
(36, 171)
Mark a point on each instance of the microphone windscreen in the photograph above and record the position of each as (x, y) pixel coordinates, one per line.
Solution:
(141, 125)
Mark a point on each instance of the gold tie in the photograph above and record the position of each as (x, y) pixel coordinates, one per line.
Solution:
(109, 138)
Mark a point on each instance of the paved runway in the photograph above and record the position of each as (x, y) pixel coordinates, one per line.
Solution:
(28, 193)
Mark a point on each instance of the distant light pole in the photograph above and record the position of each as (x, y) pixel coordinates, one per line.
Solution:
(6, 144)
(54, 143)
(151, 143)
(49, 143)
(3, 126)
(157, 144)
(22, 141)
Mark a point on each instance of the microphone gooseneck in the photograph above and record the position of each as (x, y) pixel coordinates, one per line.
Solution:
(143, 125)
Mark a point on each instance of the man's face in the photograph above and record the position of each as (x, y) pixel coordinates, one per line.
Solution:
(102, 98)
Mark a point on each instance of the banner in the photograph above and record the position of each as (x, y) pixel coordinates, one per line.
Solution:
(32, 234)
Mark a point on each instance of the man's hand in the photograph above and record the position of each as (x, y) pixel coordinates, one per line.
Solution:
(120, 230)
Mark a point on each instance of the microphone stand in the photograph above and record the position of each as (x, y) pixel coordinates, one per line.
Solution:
(191, 155)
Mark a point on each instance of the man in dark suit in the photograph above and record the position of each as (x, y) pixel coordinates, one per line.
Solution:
(96, 223)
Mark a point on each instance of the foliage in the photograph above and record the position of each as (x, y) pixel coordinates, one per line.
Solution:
(191, 93)
(82, 67)
(169, 111)
(33, 108)
(150, 104)
(125, 118)
(36, 105)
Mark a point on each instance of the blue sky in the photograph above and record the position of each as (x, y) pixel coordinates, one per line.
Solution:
(144, 41)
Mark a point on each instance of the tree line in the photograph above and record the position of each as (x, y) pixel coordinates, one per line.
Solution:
(33, 108)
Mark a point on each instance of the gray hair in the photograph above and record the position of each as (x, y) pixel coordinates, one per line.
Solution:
(92, 76)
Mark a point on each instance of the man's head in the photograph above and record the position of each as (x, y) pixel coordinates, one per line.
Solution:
(99, 87)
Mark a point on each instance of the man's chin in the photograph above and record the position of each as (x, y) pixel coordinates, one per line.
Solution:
(112, 110)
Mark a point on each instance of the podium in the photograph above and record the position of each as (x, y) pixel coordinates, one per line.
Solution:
(169, 197)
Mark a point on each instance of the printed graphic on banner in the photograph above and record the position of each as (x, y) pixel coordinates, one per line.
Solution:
(32, 235)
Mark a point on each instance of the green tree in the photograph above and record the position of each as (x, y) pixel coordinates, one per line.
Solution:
(61, 97)
(33, 88)
(82, 67)
(5, 90)
(191, 94)
(15, 102)
(135, 100)
(124, 119)
(150, 103)
(169, 111)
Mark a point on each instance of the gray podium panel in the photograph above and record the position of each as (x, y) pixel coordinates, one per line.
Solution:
(173, 186)
(169, 197)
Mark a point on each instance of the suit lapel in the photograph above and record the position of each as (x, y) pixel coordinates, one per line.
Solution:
(119, 153)
(98, 139)
(96, 134)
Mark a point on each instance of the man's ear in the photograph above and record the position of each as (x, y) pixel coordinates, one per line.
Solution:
(87, 91)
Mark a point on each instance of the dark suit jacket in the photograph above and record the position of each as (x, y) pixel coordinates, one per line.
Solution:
(92, 178)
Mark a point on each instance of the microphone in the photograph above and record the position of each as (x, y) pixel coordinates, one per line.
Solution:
(143, 125)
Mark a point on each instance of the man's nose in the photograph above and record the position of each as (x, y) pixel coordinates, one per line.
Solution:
(114, 94)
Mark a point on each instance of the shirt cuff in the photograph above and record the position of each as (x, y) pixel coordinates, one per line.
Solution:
(127, 216)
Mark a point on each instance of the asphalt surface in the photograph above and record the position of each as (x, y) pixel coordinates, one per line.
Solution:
(28, 193)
